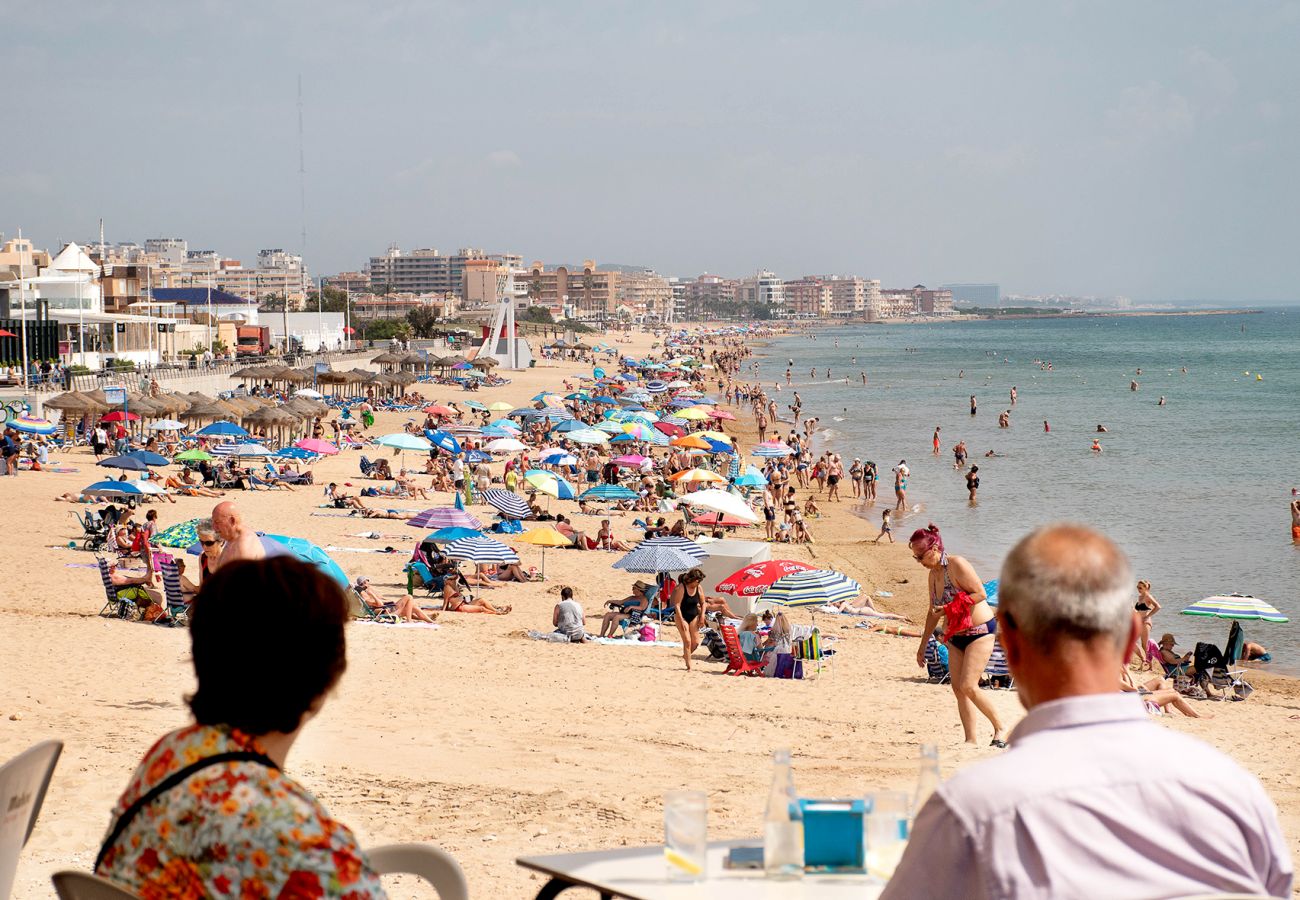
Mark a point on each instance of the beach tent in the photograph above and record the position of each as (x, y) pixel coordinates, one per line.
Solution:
(725, 558)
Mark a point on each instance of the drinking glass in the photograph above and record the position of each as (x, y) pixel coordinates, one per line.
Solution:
(886, 832)
(686, 834)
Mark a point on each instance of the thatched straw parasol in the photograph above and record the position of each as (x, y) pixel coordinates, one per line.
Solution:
(485, 362)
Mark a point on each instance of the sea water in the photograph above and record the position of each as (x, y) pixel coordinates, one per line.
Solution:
(1195, 491)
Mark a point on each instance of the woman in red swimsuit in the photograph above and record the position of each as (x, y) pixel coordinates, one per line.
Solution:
(969, 629)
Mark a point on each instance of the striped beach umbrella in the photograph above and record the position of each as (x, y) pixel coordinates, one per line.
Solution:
(481, 550)
(608, 492)
(771, 449)
(588, 436)
(445, 517)
(812, 588)
(1236, 606)
(662, 555)
(509, 504)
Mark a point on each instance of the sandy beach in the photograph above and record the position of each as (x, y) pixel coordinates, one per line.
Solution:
(474, 738)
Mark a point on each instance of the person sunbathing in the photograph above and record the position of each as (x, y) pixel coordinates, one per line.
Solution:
(637, 601)
(580, 540)
(454, 601)
(341, 500)
(405, 609)
(143, 581)
(605, 538)
(369, 513)
(411, 489)
(1158, 695)
(190, 488)
(718, 605)
(506, 572)
(864, 607)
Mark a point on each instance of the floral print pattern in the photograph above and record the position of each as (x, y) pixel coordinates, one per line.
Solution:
(236, 829)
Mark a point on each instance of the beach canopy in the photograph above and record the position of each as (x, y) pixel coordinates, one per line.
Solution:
(122, 489)
(455, 533)
(221, 429)
(508, 503)
(812, 588)
(1236, 606)
(402, 441)
(550, 483)
(754, 580)
(445, 517)
(664, 554)
(720, 502)
(481, 550)
(608, 492)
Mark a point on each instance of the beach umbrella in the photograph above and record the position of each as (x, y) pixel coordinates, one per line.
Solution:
(588, 436)
(814, 587)
(32, 425)
(633, 460)
(294, 453)
(544, 537)
(317, 445)
(694, 414)
(608, 492)
(567, 459)
(604, 399)
(549, 483)
(1236, 606)
(656, 387)
(555, 415)
(179, 536)
(506, 425)
(445, 517)
(720, 502)
(696, 476)
(722, 414)
(772, 449)
(244, 448)
(477, 456)
(118, 415)
(681, 402)
(669, 429)
(569, 425)
(752, 477)
(194, 455)
(121, 489)
(506, 445)
(665, 554)
(638, 431)
(609, 426)
(509, 504)
(309, 553)
(402, 441)
(718, 436)
(126, 463)
(149, 458)
(455, 533)
(309, 394)
(166, 425)
(474, 404)
(444, 441)
(437, 409)
(757, 578)
(221, 429)
(499, 406)
(480, 550)
(690, 440)
(716, 446)
(718, 520)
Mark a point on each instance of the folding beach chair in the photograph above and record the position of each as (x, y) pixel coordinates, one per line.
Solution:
(23, 781)
(737, 664)
(809, 649)
(997, 673)
(122, 602)
(936, 662)
(178, 611)
(1212, 672)
(358, 608)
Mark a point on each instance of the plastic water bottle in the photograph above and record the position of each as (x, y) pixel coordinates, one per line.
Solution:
(783, 824)
(927, 778)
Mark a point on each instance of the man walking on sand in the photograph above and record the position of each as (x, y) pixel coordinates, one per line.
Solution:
(1070, 810)
(242, 542)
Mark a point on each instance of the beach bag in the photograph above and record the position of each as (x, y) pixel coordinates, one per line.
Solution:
(647, 633)
(1187, 686)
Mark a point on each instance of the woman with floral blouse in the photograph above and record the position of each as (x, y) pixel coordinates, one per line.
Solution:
(210, 811)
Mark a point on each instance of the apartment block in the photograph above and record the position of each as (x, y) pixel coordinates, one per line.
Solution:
(425, 270)
(586, 293)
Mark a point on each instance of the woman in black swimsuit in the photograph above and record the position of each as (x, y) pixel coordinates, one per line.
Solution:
(969, 632)
(688, 602)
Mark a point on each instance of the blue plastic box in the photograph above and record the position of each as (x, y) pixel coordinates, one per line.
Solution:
(833, 832)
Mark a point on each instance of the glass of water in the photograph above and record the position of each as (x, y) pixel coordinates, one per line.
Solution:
(886, 832)
(686, 834)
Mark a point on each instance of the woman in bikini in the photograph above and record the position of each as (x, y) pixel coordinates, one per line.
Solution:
(957, 595)
(1147, 607)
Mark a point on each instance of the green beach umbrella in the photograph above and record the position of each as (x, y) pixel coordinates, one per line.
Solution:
(192, 456)
(1235, 606)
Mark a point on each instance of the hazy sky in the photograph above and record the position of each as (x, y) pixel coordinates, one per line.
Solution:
(1090, 147)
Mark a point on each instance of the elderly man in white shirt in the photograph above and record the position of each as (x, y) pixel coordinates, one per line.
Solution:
(1092, 799)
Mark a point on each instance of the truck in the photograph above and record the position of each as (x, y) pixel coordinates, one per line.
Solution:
(252, 340)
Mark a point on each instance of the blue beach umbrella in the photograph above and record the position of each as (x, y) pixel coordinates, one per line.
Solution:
(454, 533)
(221, 429)
(126, 463)
(608, 492)
(149, 458)
(308, 552)
(443, 441)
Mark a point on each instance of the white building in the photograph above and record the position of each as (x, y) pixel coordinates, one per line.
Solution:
(312, 332)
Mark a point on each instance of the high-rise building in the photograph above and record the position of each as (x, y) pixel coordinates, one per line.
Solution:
(587, 293)
(765, 288)
(647, 295)
(809, 297)
(853, 297)
(978, 294)
(427, 271)
(707, 297)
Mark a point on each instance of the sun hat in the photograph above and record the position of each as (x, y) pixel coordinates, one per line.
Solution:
(1167, 639)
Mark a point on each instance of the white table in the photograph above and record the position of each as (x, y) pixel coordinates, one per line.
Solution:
(639, 873)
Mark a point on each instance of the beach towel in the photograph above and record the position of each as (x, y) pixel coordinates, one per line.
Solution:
(429, 625)
(333, 549)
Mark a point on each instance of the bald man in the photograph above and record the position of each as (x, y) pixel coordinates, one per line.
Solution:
(1094, 798)
(242, 542)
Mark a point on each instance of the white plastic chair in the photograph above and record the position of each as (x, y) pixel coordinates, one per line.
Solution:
(23, 781)
(433, 864)
(71, 885)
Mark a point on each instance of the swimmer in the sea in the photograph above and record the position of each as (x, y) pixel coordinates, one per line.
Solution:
(863, 376)
(1161, 401)
(1096, 446)
(1046, 427)
(1101, 429)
